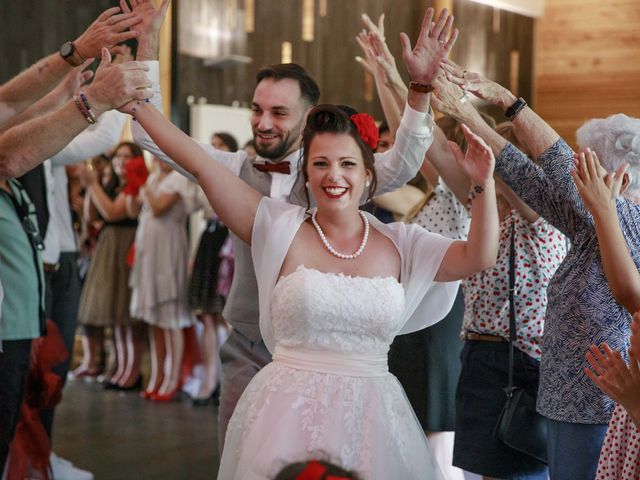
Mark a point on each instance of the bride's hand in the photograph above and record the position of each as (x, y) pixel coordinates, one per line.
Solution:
(478, 161)
(129, 107)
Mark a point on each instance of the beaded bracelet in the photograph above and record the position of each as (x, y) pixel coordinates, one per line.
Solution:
(90, 118)
(85, 102)
(133, 110)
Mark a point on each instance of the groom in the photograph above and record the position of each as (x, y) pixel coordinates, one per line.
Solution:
(283, 96)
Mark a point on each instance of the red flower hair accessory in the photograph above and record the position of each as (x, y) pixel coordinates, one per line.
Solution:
(366, 127)
(316, 471)
(135, 173)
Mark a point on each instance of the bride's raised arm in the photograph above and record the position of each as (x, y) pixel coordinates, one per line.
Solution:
(480, 250)
(234, 201)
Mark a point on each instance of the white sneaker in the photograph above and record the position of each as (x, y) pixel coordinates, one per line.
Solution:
(65, 470)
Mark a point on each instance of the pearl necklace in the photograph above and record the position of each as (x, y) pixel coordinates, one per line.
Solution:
(332, 250)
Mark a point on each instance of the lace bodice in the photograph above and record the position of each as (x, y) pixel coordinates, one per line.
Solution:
(337, 312)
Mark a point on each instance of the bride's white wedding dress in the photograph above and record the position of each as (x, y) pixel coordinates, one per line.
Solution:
(328, 392)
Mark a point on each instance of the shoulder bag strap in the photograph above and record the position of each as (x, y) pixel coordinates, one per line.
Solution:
(512, 307)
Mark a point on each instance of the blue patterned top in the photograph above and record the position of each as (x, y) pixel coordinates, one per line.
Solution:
(581, 309)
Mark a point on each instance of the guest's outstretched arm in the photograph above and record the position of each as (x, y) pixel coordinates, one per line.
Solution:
(536, 134)
(480, 250)
(379, 62)
(546, 187)
(599, 192)
(233, 200)
(57, 97)
(30, 143)
(111, 27)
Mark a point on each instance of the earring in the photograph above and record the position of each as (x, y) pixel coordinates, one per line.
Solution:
(307, 185)
(367, 183)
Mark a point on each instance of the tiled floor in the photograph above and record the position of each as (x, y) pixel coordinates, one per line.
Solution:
(118, 435)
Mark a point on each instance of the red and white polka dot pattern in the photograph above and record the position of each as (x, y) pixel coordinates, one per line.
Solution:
(540, 249)
(620, 455)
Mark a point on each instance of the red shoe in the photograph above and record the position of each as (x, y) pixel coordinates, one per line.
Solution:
(148, 394)
(166, 397)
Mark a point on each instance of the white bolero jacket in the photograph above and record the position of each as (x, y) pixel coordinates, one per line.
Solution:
(421, 252)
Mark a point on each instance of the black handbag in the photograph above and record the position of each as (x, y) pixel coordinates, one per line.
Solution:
(519, 425)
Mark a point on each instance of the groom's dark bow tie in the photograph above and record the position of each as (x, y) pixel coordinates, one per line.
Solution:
(280, 167)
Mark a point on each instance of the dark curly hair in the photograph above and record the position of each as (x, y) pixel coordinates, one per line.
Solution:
(327, 118)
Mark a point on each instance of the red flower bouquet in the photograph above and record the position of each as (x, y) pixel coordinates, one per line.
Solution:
(366, 127)
(135, 173)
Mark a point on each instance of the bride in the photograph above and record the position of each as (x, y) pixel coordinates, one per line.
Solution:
(335, 286)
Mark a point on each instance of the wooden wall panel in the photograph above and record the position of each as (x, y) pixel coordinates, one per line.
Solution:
(587, 62)
(44, 26)
(330, 57)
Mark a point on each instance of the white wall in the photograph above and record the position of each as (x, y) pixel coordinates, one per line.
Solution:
(204, 120)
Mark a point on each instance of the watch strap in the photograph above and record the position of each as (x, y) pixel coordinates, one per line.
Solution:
(515, 108)
(420, 87)
(73, 58)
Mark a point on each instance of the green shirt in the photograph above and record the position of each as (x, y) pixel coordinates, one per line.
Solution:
(20, 273)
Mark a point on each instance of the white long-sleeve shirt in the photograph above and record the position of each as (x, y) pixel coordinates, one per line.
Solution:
(93, 141)
(393, 168)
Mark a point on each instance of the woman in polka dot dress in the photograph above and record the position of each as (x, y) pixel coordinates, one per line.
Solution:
(620, 455)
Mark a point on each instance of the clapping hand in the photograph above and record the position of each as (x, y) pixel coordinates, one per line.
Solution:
(434, 43)
(597, 188)
(478, 161)
(87, 174)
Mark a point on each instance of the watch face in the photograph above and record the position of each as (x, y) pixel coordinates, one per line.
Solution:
(66, 49)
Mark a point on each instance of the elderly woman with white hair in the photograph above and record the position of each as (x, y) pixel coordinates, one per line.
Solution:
(620, 455)
(581, 309)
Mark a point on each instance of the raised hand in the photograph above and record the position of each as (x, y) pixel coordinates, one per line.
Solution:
(368, 62)
(148, 29)
(450, 99)
(597, 188)
(116, 85)
(74, 80)
(478, 161)
(78, 77)
(432, 47)
(110, 28)
(612, 375)
(477, 84)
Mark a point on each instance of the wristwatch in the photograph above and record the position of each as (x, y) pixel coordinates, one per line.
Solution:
(70, 54)
(515, 109)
